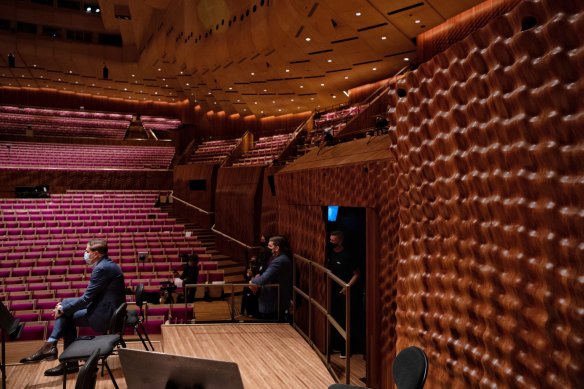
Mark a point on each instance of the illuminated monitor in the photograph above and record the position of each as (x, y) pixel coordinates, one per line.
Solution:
(333, 211)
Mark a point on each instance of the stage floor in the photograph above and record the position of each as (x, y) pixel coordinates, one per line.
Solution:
(268, 355)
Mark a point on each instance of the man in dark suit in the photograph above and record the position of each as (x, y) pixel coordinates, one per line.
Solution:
(279, 271)
(104, 294)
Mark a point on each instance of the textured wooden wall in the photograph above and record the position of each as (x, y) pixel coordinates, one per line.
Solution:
(204, 199)
(490, 151)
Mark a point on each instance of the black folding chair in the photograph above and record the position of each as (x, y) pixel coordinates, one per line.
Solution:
(84, 346)
(88, 373)
(136, 318)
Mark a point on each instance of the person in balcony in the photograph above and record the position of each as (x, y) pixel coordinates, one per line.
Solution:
(104, 294)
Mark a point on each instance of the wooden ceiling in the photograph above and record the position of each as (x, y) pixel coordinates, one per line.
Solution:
(239, 56)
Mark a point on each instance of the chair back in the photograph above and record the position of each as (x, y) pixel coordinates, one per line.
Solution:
(88, 373)
(140, 296)
(410, 368)
(118, 322)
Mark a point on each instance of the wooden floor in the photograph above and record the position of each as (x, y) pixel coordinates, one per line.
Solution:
(268, 355)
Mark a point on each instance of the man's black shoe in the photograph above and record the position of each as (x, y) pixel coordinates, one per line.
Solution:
(46, 353)
(70, 367)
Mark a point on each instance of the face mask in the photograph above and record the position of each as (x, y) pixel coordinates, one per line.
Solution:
(87, 258)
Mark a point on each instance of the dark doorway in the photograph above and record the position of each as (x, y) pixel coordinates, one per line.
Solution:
(352, 222)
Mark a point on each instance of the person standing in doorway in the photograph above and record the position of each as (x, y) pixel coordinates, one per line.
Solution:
(343, 265)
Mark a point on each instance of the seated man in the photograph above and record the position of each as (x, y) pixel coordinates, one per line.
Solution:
(104, 294)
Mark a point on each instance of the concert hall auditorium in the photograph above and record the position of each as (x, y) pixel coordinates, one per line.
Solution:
(266, 194)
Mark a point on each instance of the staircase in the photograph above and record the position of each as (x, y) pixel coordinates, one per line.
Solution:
(233, 271)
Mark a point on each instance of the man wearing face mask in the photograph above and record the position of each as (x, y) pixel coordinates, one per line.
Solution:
(104, 294)
(278, 271)
(343, 265)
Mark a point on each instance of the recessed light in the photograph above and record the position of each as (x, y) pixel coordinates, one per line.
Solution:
(346, 77)
(166, 85)
(301, 86)
(209, 93)
(255, 102)
(97, 10)
(291, 99)
(417, 21)
(307, 39)
(34, 65)
(279, 109)
(334, 97)
(252, 73)
(265, 90)
(273, 102)
(181, 72)
(187, 84)
(329, 60)
(321, 84)
(70, 71)
(383, 38)
(155, 93)
(125, 89)
(230, 88)
(159, 69)
(374, 69)
(92, 84)
(406, 59)
(287, 70)
(133, 75)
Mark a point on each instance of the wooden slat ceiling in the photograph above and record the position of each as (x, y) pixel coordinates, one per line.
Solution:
(239, 56)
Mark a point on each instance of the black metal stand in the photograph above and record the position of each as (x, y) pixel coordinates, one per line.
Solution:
(3, 360)
(12, 326)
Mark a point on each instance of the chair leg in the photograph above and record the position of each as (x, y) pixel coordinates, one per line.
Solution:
(110, 374)
(140, 328)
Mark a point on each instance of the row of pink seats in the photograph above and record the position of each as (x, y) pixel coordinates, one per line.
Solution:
(99, 230)
(51, 155)
(66, 113)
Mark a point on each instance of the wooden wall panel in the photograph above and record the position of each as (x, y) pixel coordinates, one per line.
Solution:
(491, 255)
(238, 207)
(30, 97)
(59, 180)
(304, 188)
(269, 211)
(205, 199)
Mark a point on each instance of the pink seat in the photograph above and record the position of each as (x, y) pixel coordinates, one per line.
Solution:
(34, 331)
(48, 303)
(22, 305)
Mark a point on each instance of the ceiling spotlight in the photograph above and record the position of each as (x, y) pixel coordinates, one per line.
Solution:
(187, 84)
(97, 10)
(329, 60)
(334, 97)
(346, 77)
(133, 75)
(88, 9)
(159, 69)
(307, 39)
(374, 69)
(417, 21)
(383, 38)
(301, 86)
(230, 88)
(321, 84)
(252, 73)
(357, 13)
(287, 70)
(406, 59)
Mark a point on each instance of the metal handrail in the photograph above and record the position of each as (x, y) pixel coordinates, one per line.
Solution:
(231, 299)
(344, 332)
(232, 238)
(190, 205)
